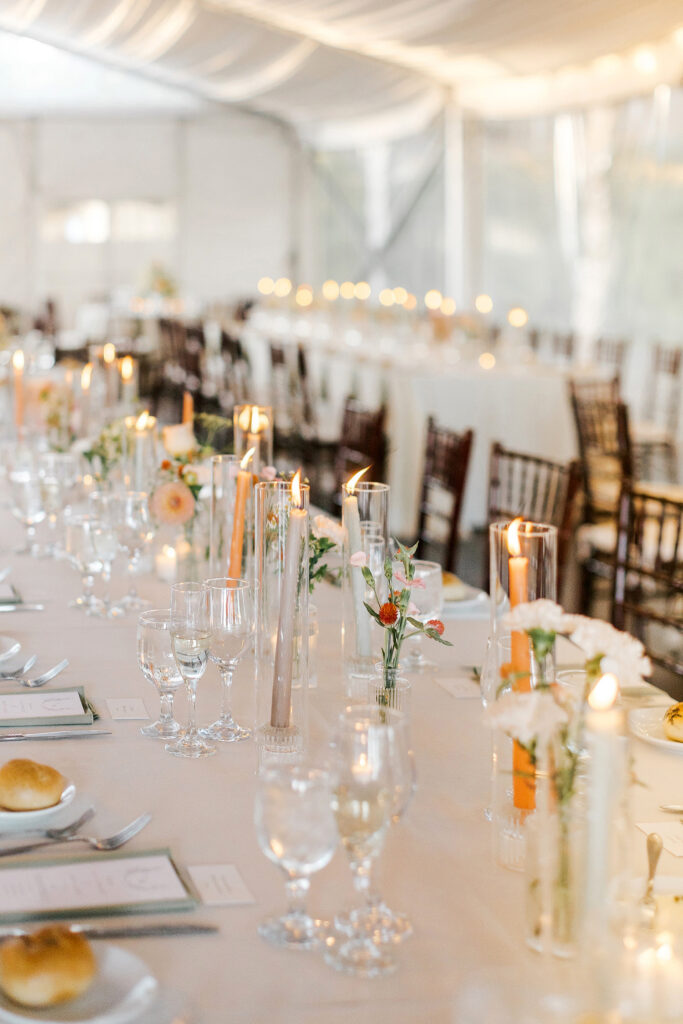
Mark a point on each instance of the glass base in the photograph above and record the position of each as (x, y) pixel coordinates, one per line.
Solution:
(225, 730)
(360, 957)
(294, 931)
(34, 550)
(279, 745)
(84, 602)
(417, 665)
(161, 730)
(133, 603)
(190, 746)
(380, 923)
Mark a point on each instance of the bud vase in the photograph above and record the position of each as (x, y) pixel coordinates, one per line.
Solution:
(389, 689)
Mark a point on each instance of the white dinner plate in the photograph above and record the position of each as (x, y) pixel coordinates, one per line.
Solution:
(473, 600)
(647, 724)
(35, 817)
(121, 992)
(9, 647)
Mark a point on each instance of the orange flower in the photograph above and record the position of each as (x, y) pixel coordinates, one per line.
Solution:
(166, 464)
(388, 614)
(172, 503)
(437, 625)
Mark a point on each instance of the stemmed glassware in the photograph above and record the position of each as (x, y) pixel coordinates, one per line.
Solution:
(190, 640)
(103, 533)
(27, 504)
(58, 472)
(134, 528)
(158, 665)
(80, 551)
(296, 830)
(231, 618)
(363, 806)
(428, 597)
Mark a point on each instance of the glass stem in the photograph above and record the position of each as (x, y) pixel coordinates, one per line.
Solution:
(30, 535)
(297, 892)
(362, 880)
(166, 710)
(192, 716)
(87, 583)
(226, 703)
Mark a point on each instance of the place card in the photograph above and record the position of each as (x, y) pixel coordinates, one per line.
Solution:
(99, 884)
(461, 688)
(22, 708)
(126, 707)
(670, 831)
(220, 885)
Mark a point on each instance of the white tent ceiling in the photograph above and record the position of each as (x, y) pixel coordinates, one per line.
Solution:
(337, 68)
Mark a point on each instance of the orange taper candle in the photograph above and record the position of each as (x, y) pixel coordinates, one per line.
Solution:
(188, 407)
(523, 785)
(244, 479)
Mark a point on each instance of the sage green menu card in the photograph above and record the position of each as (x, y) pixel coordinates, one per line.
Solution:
(93, 885)
(24, 708)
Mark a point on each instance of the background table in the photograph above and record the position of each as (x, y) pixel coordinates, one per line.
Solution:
(468, 913)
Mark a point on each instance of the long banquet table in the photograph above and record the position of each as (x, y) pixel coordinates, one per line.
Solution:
(437, 864)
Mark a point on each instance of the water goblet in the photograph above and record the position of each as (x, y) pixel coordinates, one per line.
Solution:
(231, 618)
(27, 505)
(80, 552)
(158, 665)
(134, 529)
(362, 803)
(296, 830)
(190, 641)
(428, 597)
(58, 472)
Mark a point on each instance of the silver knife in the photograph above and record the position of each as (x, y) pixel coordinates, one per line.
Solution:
(22, 607)
(127, 931)
(60, 734)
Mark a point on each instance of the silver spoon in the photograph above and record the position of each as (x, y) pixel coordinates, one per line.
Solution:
(20, 671)
(654, 850)
(46, 676)
(108, 843)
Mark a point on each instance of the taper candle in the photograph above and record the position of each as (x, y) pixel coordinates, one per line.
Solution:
(244, 482)
(284, 650)
(351, 521)
(18, 371)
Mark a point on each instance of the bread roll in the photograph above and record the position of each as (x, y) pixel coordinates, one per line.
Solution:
(453, 587)
(673, 722)
(28, 786)
(48, 967)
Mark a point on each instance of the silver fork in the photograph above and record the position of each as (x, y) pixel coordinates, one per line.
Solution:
(20, 671)
(53, 833)
(46, 676)
(108, 843)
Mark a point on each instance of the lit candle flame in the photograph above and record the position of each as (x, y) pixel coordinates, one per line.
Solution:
(126, 368)
(296, 488)
(351, 484)
(248, 456)
(254, 428)
(142, 420)
(168, 551)
(109, 352)
(514, 546)
(86, 376)
(604, 693)
(18, 360)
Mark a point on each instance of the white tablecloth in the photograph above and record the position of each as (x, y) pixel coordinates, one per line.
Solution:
(437, 865)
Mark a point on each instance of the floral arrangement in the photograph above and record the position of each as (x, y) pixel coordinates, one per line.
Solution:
(181, 476)
(396, 614)
(106, 451)
(325, 535)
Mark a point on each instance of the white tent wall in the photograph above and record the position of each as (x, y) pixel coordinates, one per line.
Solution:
(226, 175)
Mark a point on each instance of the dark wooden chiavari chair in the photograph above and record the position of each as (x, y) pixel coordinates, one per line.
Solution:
(648, 576)
(611, 353)
(363, 443)
(537, 489)
(563, 346)
(447, 458)
(657, 434)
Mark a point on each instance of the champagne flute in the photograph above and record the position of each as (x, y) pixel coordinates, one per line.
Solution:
(158, 666)
(190, 640)
(134, 528)
(362, 803)
(231, 618)
(27, 505)
(429, 601)
(296, 830)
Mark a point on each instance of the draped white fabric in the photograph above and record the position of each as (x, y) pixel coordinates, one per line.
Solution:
(363, 67)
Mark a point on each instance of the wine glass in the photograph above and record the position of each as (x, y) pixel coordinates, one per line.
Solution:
(363, 805)
(190, 640)
(134, 528)
(231, 618)
(27, 505)
(80, 552)
(296, 830)
(158, 665)
(429, 601)
(58, 472)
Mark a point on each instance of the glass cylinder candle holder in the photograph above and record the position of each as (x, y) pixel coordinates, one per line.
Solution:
(231, 519)
(523, 568)
(253, 428)
(282, 626)
(365, 510)
(140, 461)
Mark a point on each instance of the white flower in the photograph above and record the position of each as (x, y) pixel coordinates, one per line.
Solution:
(323, 526)
(202, 471)
(621, 653)
(269, 473)
(530, 716)
(179, 439)
(541, 614)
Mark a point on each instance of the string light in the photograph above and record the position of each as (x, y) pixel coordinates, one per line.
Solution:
(304, 295)
(487, 360)
(484, 303)
(266, 285)
(433, 299)
(448, 307)
(410, 302)
(330, 291)
(283, 287)
(400, 295)
(347, 290)
(386, 297)
(362, 290)
(518, 317)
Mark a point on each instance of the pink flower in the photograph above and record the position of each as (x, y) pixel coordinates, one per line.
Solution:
(412, 608)
(409, 584)
(172, 503)
(268, 473)
(359, 559)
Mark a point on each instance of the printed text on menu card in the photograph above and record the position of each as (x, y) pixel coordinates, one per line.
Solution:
(40, 705)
